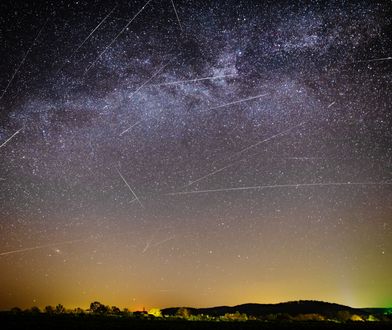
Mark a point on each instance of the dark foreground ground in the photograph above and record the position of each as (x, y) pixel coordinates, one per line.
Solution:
(70, 322)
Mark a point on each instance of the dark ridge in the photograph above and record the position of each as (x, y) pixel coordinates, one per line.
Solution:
(293, 308)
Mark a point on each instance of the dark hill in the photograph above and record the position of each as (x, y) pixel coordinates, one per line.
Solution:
(291, 308)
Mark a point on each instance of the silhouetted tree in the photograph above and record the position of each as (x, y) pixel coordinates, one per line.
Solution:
(78, 311)
(35, 310)
(16, 310)
(343, 316)
(115, 310)
(126, 312)
(98, 308)
(49, 309)
(60, 309)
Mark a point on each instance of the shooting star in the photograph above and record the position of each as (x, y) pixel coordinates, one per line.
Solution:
(38, 247)
(139, 88)
(267, 139)
(304, 158)
(178, 82)
(375, 60)
(240, 152)
(129, 187)
(299, 185)
(164, 241)
(149, 79)
(9, 139)
(331, 104)
(115, 38)
(178, 19)
(67, 60)
(23, 60)
(211, 174)
(148, 245)
(239, 101)
(130, 128)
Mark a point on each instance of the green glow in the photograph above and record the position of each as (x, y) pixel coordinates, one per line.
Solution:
(388, 311)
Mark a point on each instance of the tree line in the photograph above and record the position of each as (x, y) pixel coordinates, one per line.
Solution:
(95, 308)
(99, 309)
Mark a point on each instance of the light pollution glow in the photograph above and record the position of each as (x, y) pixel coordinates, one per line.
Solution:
(217, 154)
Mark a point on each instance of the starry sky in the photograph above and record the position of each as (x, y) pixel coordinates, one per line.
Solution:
(195, 153)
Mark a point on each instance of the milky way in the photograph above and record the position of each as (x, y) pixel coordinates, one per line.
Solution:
(119, 120)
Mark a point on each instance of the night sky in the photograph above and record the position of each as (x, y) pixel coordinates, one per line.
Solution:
(189, 153)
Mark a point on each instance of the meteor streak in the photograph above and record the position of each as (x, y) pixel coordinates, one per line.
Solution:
(9, 139)
(239, 101)
(305, 158)
(38, 247)
(130, 127)
(87, 38)
(115, 38)
(148, 245)
(331, 104)
(178, 19)
(129, 187)
(139, 88)
(163, 241)
(178, 82)
(149, 79)
(210, 174)
(240, 152)
(267, 139)
(299, 185)
(375, 59)
(23, 60)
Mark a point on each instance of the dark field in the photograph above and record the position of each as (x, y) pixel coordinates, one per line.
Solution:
(43, 321)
